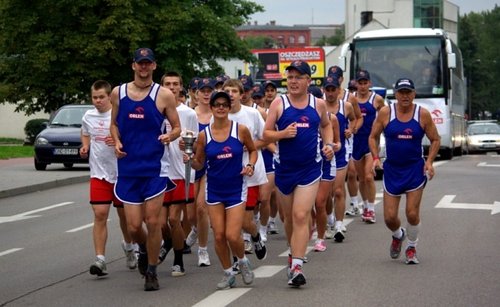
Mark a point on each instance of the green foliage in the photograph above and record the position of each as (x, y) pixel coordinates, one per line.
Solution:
(15, 151)
(52, 51)
(335, 40)
(478, 37)
(33, 127)
(260, 42)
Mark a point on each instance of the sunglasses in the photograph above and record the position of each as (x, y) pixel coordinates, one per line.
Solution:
(221, 105)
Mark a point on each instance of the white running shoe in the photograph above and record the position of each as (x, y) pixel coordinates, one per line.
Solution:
(192, 237)
(203, 258)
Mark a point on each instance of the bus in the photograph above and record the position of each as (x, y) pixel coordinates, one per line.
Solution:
(428, 57)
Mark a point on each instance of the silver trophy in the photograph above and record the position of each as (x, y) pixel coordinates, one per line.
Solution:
(189, 140)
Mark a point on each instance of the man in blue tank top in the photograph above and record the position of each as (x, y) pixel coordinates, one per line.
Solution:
(405, 171)
(294, 121)
(138, 118)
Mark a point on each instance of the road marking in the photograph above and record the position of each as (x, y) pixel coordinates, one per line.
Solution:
(438, 163)
(447, 202)
(265, 271)
(222, 298)
(83, 227)
(10, 251)
(27, 214)
(484, 164)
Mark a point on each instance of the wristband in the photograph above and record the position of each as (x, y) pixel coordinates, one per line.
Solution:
(251, 165)
(329, 144)
(376, 158)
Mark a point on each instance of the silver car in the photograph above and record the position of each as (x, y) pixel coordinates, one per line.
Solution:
(483, 137)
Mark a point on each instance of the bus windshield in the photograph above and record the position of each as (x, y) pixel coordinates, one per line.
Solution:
(388, 59)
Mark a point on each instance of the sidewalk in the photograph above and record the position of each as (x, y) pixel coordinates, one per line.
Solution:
(18, 176)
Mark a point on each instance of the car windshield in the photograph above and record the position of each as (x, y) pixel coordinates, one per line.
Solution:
(484, 129)
(69, 117)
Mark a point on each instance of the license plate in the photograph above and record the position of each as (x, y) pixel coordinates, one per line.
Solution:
(489, 145)
(66, 151)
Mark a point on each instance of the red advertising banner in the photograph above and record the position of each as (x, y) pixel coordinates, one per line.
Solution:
(273, 62)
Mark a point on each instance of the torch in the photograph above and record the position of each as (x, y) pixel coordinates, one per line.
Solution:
(189, 140)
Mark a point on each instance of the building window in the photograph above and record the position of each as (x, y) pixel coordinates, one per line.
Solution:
(302, 39)
(291, 40)
(428, 13)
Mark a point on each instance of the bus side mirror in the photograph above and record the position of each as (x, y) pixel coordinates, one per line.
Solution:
(452, 60)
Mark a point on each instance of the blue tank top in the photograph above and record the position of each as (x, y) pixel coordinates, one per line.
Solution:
(403, 139)
(369, 113)
(342, 126)
(224, 162)
(304, 147)
(140, 124)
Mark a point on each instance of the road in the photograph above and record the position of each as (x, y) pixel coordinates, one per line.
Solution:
(46, 249)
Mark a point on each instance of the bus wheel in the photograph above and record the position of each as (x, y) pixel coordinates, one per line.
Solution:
(446, 154)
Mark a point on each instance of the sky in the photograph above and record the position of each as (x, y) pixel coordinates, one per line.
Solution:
(292, 12)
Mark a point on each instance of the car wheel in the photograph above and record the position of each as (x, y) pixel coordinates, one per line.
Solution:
(39, 166)
(68, 165)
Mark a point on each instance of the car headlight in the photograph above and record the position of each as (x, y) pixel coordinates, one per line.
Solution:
(41, 141)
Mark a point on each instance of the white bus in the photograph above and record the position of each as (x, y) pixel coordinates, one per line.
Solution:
(431, 60)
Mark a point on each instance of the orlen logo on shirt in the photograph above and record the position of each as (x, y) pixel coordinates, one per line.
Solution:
(139, 113)
(303, 122)
(227, 153)
(436, 116)
(406, 135)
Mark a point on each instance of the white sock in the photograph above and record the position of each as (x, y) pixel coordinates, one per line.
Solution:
(338, 225)
(101, 257)
(412, 231)
(272, 219)
(297, 261)
(331, 219)
(371, 207)
(246, 236)
(365, 204)
(128, 246)
(355, 200)
(398, 233)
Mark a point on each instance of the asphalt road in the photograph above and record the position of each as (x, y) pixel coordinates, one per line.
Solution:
(46, 249)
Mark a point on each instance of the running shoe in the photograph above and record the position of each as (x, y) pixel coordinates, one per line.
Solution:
(260, 249)
(352, 211)
(272, 228)
(370, 217)
(151, 283)
(396, 244)
(203, 258)
(186, 249)
(98, 268)
(142, 263)
(163, 253)
(297, 277)
(192, 237)
(130, 257)
(177, 271)
(246, 271)
(236, 268)
(329, 233)
(248, 247)
(320, 246)
(227, 282)
(339, 235)
(411, 255)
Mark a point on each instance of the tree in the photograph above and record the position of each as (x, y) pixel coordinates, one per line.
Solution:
(334, 40)
(52, 51)
(260, 42)
(479, 44)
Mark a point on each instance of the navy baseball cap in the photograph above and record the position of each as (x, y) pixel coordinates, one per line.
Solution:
(193, 84)
(205, 82)
(268, 83)
(301, 66)
(220, 79)
(216, 95)
(246, 81)
(258, 91)
(144, 54)
(315, 91)
(404, 84)
(331, 81)
(353, 86)
(335, 71)
(362, 75)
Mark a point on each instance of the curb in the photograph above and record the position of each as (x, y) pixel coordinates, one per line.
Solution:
(43, 186)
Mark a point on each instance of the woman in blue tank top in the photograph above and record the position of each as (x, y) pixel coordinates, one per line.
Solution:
(222, 144)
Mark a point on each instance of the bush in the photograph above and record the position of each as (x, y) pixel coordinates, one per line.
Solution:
(33, 128)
